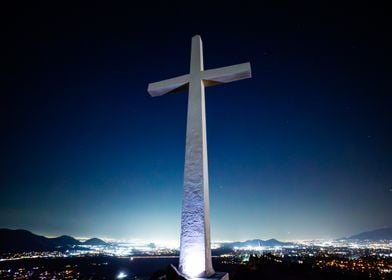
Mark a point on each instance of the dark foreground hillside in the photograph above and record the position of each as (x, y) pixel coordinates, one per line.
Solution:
(145, 268)
(268, 267)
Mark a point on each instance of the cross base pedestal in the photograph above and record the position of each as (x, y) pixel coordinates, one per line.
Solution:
(216, 276)
(174, 274)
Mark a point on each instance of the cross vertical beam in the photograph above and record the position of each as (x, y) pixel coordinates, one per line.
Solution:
(195, 254)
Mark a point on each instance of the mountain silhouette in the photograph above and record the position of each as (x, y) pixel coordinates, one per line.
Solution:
(20, 240)
(65, 240)
(256, 243)
(378, 234)
(95, 241)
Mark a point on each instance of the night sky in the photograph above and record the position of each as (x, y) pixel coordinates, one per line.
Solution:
(302, 150)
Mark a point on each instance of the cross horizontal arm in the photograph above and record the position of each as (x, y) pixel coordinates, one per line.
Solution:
(169, 85)
(226, 74)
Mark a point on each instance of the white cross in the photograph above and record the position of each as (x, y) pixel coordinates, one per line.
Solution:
(195, 252)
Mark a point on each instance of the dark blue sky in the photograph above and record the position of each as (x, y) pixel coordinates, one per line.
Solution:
(301, 150)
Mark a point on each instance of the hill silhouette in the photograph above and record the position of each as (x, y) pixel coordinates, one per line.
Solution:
(378, 234)
(95, 241)
(20, 240)
(64, 240)
(257, 242)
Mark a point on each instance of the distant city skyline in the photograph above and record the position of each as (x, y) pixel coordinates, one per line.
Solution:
(300, 151)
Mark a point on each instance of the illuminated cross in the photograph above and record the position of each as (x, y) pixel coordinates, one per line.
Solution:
(195, 253)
